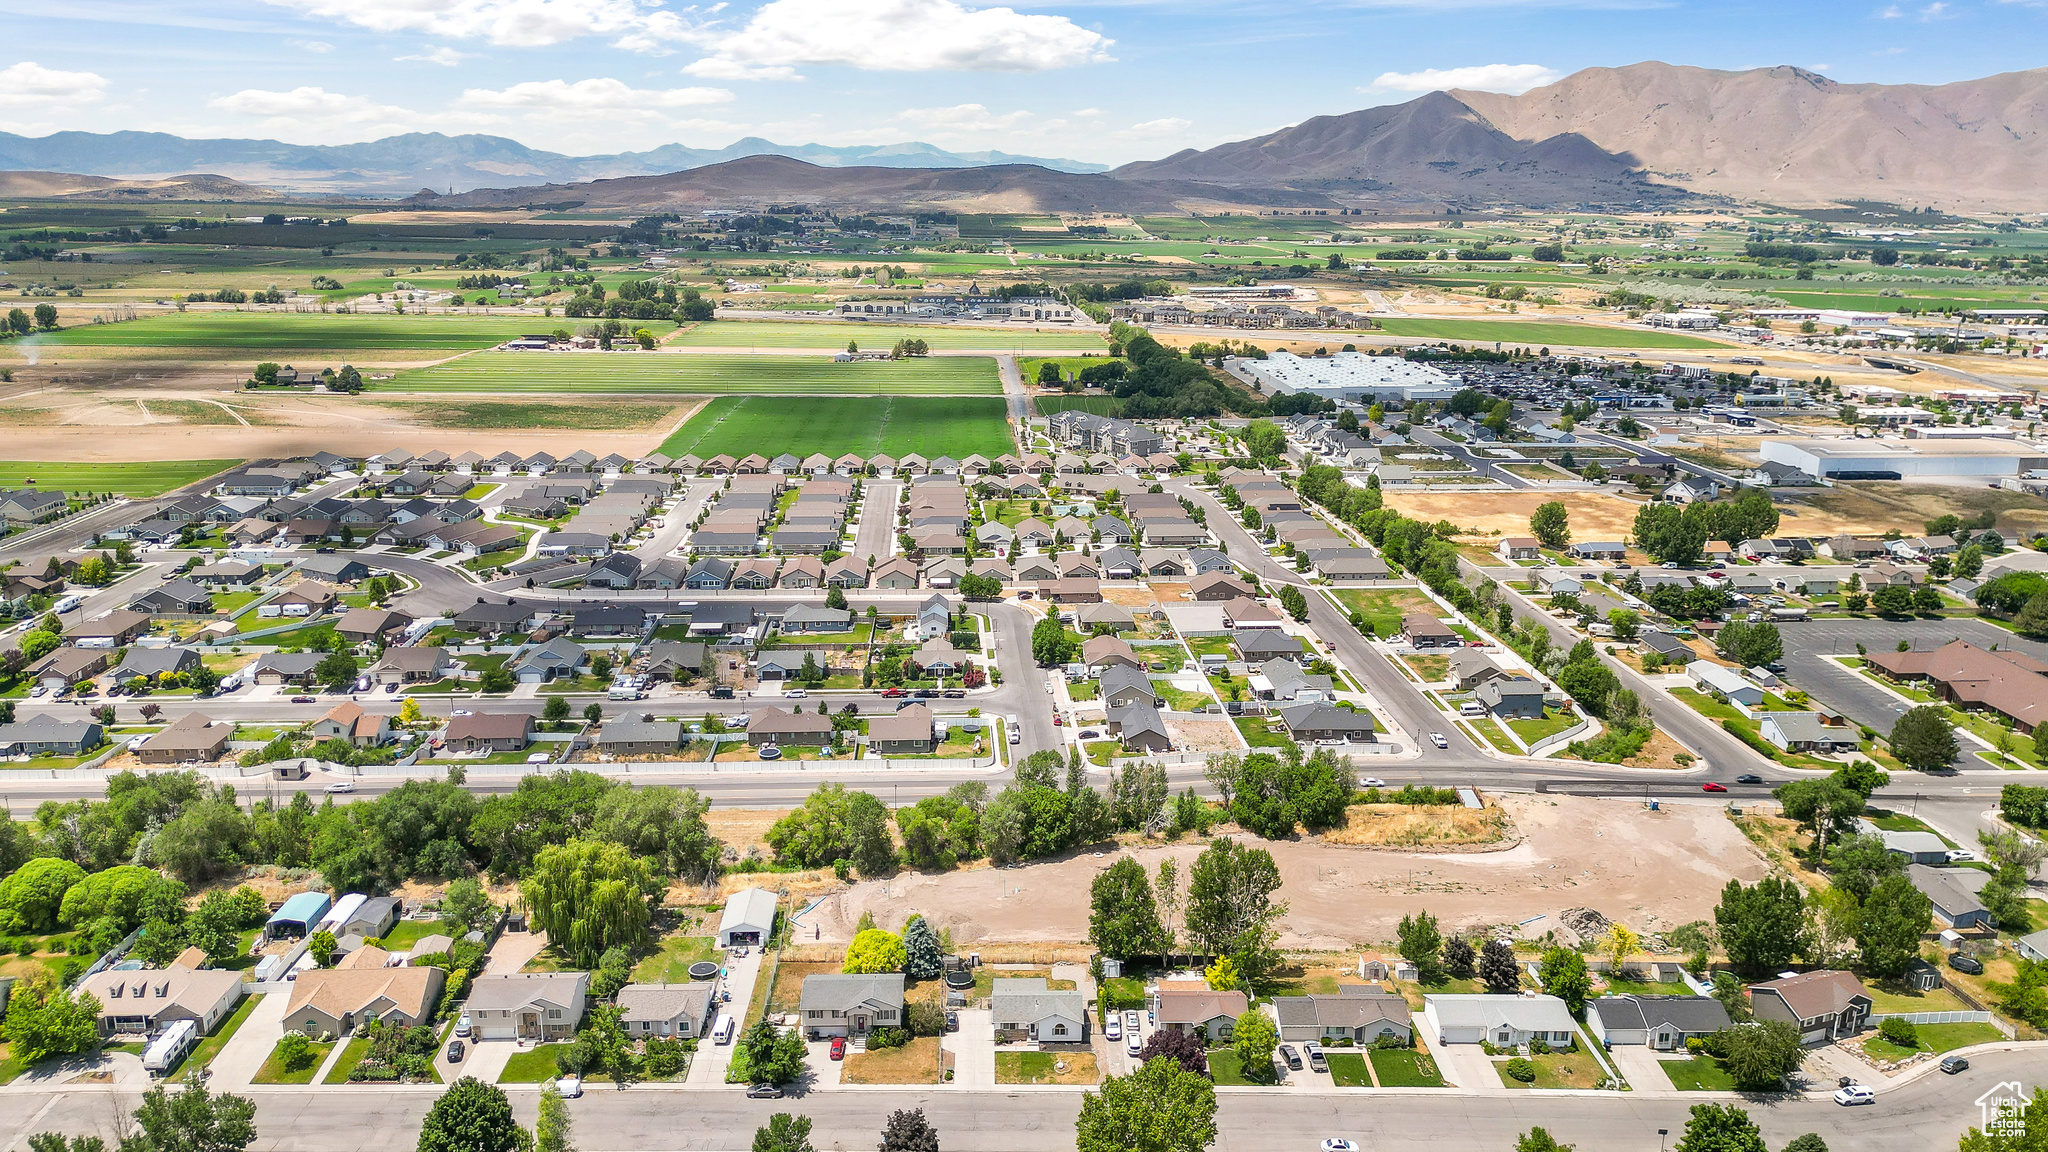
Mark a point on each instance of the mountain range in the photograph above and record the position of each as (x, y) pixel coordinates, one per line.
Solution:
(402, 164)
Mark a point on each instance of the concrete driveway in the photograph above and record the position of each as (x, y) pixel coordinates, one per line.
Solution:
(484, 1060)
(1640, 1067)
(1466, 1066)
(973, 1048)
(243, 1055)
(512, 952)
(824, 1069)
(713, 1059)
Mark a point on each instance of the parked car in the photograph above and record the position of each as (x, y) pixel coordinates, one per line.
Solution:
(1955, 1064)
(952, 1021)
(455, 1050)
(764, 1092)
(1113, 1028)
(570, 1087)
(1855, 1094)
(462, 1025)
(1016, 737)
(1292, 1057)
(893, 693)
(839, 1047)
(795, 694)
(1339, 1144)
(1959, 855)
(1963, 962)
(1314, 1052)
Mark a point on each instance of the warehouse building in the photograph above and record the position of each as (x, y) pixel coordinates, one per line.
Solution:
(1902, 459)
(1349, 376)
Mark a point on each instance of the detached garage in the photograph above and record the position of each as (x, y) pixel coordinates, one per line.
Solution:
(749, 918)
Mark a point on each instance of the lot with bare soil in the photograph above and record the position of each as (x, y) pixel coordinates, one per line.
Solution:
(1651, 870)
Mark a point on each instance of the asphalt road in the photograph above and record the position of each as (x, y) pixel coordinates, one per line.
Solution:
(876, 536)
(1928, 1114)
(1808, 641)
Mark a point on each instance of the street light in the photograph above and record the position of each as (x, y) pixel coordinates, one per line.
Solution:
(1661, 1134)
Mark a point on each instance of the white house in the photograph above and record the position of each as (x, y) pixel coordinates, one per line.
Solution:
(1553, 583)
(749, 918)
(1029, 1009)
(1506, 1021)
(1710, 677)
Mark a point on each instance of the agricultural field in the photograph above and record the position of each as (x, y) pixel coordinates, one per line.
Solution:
(614, 415)
(834, 335)
(264, 333)
(1099, 405)
(655, 372)
(150, 478)
(929, 426)
(1536, 332)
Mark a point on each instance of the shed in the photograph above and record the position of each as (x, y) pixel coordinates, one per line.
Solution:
(749, 918)
(297, 916)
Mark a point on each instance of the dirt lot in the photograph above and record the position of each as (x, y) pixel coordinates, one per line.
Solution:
(1871, 507)
(1650, 870)
(1397, 825)
(1193, 735)
(1594, 515)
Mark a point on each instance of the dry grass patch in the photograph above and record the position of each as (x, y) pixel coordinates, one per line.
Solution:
(1403, 826)
(914, 1063)
(1873, 507)
(789, 981)
(1780, 841)
(1142, 597)
(1430, 668)
(1202, 735)
(1594, 515)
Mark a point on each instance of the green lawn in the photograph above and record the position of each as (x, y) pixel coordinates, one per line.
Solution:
(1552, 722)
(1226, 1069)
(671, 963)
(273, 1071)
(279, 331)
(152, 478)
(1404, 1068)
(1892, 997)
(1574, 1069)
(406, 933)
(1258, 735)
(1537, 332)
(1099, 405)
(833, 336)
(656, 372)
(345, 1063)
(1949, 1037)
(1699, 1074)
(532, 1066)
(1348, 1069)
(955, 426)
(1383, 608)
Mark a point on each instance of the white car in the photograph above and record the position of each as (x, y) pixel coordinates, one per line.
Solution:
(1959, 855)
(1437, 738)
(462, 1026)
(570, 1087)
(1855, 1094)
(795, 694)
(1338, 1144)
(1372, 782)
(1113, 1028)
(342, 786)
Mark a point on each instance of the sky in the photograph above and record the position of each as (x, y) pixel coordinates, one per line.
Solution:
(1106, 81)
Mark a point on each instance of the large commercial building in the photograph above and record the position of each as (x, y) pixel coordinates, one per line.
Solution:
(1351, 376)
(1903, 459)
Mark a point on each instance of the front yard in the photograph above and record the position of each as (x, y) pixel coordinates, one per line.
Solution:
(1933, 1038)
(1348, 1069)
(1383, 608)
(1574, 1069)
(914, 1063)
(1551, 723)
(532, 1066)
(274, 1071)
(1405, 1068)
(1051, 1068)
(1699, 1074)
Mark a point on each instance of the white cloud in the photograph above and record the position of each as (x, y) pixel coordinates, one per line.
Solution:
(1513, 79)
(316, 115)
(599, 95)
(518, 23)
(719, 68)
(1936, 11)
(909, 36)
(1164, 124)
(444, 56)
(317, 47)
(1890, 12)
(30, 83)
(1089, 112)
(961, 118)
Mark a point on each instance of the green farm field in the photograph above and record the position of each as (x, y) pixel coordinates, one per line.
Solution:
(954, 426)
(827, 334)
(1539, 332)
(281, 331)
(152, 478)
(656, 372)
(1099, 405)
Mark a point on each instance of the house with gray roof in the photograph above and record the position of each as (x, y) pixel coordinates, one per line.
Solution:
(1322, 721)
(1122, 685)
(1027, 1009)
(844, 1004)
(1514, 696)
(150, 663)
(1916, 847)
(45, 735)
(640, 736)
(816, 618)
(1806, 732)
(1662, 1023)
(1956, 905)
(558, 657)
(672, 1011)
(1360, 1013)
(1140, 728)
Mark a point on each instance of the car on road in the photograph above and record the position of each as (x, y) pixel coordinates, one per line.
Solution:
(302, 700)
(764, 1092)
(1059, 721)
(570, 1087)
(1372, 782)
(1855, 1094)
(1113, 1028)
(1711, 786)
(839, 1047)
(340, 786)
(1749, 778)
(1437, 738)
(1339, 1144)
(455, 1050)
(1292, 1057)
(1962, 962)
(795, 694)
(1955, 1064)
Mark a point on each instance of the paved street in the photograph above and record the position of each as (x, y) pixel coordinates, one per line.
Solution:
(1808, 641)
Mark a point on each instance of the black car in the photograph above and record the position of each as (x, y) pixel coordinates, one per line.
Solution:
(1962, 962)
(1955, 1064)
(455, 1051)
(1749, 778)
(1292, 1057)
(764, 1092)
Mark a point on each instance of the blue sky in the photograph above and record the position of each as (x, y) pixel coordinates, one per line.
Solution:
(1109, 81)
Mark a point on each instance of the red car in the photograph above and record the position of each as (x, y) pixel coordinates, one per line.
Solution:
(839, 1047)
(1710, 786)
(893, 693)
(1059, 721)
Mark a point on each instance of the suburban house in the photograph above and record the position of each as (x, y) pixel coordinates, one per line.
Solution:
(1360, 1013)
(336, 1001)
(1663, 1023)
(1515, 696)
(1120, 686)
(1598, 550)
(1026, 1009)
(748, 919)
(2034, 946)
(640, 736)
(413, 665)
(1192, 1006)
(558, 657)
(45, 735)
(488, 732)
(1824, 1004)
(152, 663)
(1557, 582)
(1421, 631)
(1806, 732)
(907, 733)
(67, 666)
(190, 739)
(362, 625)
(1671, 648)
(850, 1005)
(350, 721)
(1711, 678)
(678, 1011)
(774, 726)
(1471, 667)
(528, 1005)
(2010, 683)
(146, 1001)
(1519, 548)
(1139, 728)
(1505, 1021)
(179, 596)
(1100, 653)
(1955, 903)
(1220, 586)
(1320, 721)
(1914, 846)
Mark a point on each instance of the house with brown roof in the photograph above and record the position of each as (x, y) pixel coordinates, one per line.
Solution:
(907, 733)
(1823, 1004)
(1245, 612)
(112, 630)
(191, 738)
(1423, 631)
(1219, 586)
(2010, 683)
(488, 732)
(144, 1002)
(362, 625)
(336, 1001)
(1079, 590)
(1100, 652)
(1360, 1013)
(1192, 1006)
(1519, 548)
(774, 726)
(351, 722)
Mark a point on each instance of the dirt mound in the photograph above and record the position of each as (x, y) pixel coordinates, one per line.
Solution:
(1582, 925)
